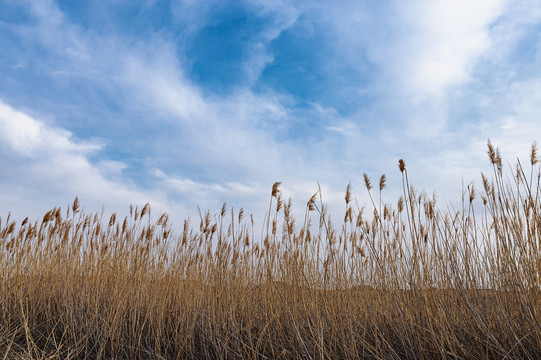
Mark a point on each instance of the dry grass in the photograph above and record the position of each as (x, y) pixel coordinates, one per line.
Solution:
(401, 282)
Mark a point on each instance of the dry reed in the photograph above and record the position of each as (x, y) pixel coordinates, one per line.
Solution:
(411, 282)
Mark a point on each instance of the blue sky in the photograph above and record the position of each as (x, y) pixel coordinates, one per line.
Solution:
(187, 103)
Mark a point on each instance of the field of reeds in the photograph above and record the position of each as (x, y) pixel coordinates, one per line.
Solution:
(393, 281)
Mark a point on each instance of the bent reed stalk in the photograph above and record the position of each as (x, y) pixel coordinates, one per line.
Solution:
(409, 281)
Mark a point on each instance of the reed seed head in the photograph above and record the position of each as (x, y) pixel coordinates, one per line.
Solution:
(348, 217)
(241, 215)
(347, 197)
(275, 189)
(401, 165)
(367, 182)
(47, 217)
(491, 152)
(382, 181)
(112, 219)
(75, 206)
(400, 204)
(312, 202)
(222, 213)
(534, 159)
(472, 193)
(279, 203)
(146, 210)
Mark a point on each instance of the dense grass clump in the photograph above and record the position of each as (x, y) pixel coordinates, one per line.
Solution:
(403, 281)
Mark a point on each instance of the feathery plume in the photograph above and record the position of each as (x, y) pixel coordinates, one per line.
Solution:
(382, 181)
(312, 202)
(146, 209)
(400, 204)
(75, 206)
(533, 154)
(367, 182)
(347, 197)
(401, 165)
(275, 189)
(112, 219)
(222, 213)
(241, 215)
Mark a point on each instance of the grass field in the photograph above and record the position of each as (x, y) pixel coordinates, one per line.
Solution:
(392, 281)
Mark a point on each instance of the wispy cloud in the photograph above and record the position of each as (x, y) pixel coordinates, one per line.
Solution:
(45, 167)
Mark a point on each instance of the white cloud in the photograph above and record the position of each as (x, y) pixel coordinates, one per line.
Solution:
(32, 138)
(445, 77)
(418, 51)
(239, 131)
(444, 40)
(48, 168)
(206, 190)
(518, 124)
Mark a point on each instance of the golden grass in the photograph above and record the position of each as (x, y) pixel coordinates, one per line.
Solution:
(405, 282)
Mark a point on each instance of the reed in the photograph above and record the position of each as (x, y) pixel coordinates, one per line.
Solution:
(399, 281)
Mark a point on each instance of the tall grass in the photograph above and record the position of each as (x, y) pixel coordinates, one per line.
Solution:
(399, 281)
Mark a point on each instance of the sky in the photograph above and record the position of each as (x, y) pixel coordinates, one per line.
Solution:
(193, 103)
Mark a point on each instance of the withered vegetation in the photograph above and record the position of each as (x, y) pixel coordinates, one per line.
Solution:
(394, 281)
